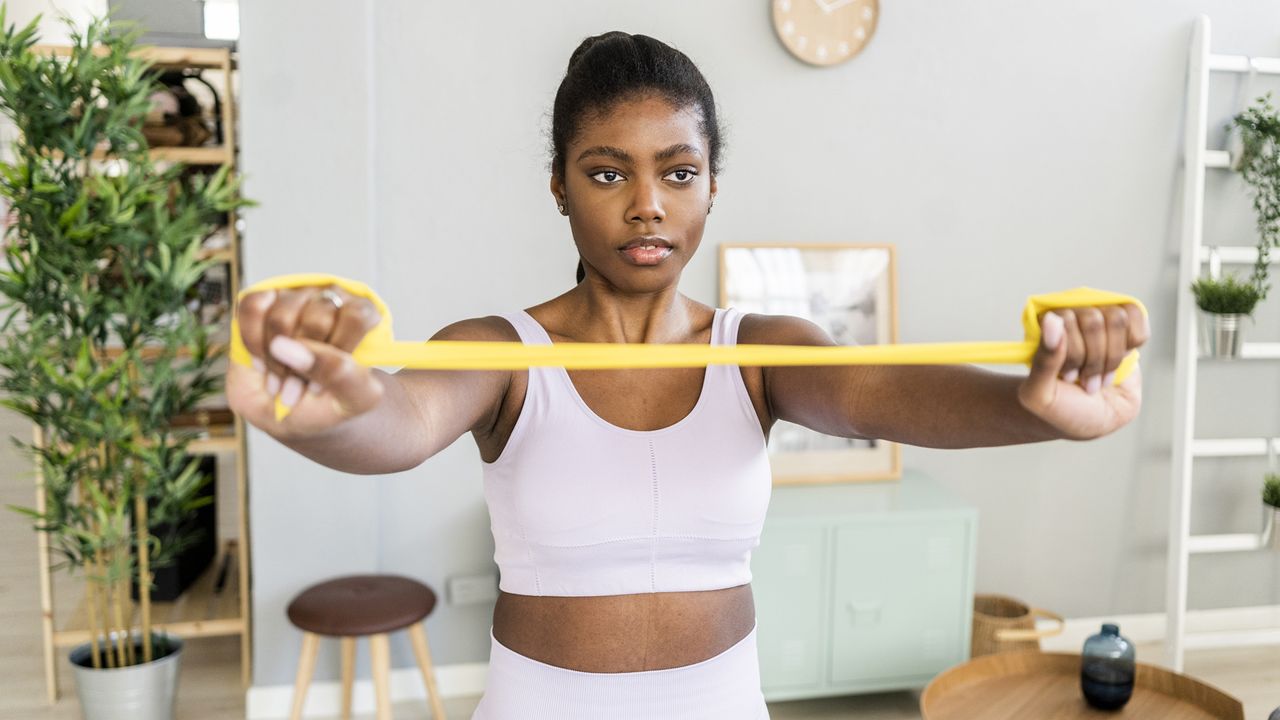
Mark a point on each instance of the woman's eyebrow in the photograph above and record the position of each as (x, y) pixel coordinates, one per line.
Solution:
(623, 156)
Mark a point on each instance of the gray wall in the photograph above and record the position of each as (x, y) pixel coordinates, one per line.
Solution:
(1006, 148)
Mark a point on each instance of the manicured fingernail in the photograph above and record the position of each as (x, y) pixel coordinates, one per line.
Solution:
(257, 365)
(1110, 379)
(1051, 330)
(1093, 384)
(1072, 376)
(292, 353)
(292, 391)
(273, 384)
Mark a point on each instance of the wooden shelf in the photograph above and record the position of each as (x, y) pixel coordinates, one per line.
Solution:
(221, 255)
(150, 353)
(197, 613)
(175, 57)
(216, 155)
(219, 439)
(192, 155)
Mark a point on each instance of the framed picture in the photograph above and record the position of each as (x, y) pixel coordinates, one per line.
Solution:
(849, 290)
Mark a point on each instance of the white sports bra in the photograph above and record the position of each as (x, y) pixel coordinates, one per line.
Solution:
(579, 506)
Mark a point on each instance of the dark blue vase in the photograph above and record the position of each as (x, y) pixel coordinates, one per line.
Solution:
(1107, 669)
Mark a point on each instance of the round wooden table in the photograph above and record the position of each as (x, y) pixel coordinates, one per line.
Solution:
(1046, 686)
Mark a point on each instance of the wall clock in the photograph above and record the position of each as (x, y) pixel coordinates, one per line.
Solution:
(825, 32)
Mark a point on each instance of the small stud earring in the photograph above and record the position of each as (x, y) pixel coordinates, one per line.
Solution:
(563, 210)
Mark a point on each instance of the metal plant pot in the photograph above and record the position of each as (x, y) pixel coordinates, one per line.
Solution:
(140, 692)
(1270, 527)
(1220, 335)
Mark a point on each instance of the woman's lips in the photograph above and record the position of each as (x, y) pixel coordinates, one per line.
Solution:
(646, 255)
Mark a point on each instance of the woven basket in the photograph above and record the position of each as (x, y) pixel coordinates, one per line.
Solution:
(1002, 624)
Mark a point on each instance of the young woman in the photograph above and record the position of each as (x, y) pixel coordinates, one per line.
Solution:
(625, 503)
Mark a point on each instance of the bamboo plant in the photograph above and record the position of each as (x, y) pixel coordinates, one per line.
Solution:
(101, 341)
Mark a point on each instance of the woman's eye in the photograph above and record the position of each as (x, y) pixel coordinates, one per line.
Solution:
(608, 177)
(682, 176)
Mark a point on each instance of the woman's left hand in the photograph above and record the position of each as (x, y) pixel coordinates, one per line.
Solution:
(1071, 384)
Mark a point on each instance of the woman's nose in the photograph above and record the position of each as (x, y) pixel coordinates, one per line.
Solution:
(646, 204)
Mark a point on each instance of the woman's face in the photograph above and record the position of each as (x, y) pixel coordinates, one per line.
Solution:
(637, 185)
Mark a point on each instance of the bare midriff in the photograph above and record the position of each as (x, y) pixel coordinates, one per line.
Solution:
(624, 633)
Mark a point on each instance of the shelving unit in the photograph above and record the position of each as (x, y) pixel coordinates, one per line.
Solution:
(1186, 447)
(204, 609)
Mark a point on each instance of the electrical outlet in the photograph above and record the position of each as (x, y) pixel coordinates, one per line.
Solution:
(473, 589)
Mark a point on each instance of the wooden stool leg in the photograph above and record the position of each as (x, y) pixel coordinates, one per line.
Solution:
(348, 674)
(306, 668)
(381, 652)
(418, 633)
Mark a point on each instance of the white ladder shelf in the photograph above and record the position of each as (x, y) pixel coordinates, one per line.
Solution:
(1187, 447)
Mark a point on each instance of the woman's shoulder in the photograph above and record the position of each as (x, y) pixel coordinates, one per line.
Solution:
(761, 329)
(490, 328)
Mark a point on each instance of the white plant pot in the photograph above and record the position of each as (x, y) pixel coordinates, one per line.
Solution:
(140, 692)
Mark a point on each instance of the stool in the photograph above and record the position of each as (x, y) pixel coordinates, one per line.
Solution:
(355, 606)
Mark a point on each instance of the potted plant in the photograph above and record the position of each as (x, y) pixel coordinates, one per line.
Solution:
(100, 342)
(1271, 510)
(1259, 163)
(1225, 301)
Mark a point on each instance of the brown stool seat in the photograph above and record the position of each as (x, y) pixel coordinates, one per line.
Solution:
(361, 605)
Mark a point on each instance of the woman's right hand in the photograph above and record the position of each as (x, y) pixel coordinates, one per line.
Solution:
(301, 343)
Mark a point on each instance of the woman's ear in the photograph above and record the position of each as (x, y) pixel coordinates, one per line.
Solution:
(557, 189)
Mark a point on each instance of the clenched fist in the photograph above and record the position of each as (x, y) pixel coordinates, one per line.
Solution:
(301, 340)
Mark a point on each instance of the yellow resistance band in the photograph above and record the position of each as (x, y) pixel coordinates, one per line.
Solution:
(379, 348)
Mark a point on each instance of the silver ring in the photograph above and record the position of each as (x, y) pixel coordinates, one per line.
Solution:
(332, 297)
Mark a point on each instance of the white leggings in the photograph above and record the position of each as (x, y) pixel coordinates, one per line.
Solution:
(724, 687)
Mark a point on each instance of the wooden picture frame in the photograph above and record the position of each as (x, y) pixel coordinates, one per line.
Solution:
(851, 291)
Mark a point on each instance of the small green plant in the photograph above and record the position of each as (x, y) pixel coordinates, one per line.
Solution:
(1271, 490)
(1227, 296)
(1259, 164)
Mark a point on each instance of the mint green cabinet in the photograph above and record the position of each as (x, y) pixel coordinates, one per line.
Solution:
(862, 587)
(796, 558)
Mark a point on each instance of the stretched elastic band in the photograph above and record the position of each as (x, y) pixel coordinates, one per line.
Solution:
(379, 348)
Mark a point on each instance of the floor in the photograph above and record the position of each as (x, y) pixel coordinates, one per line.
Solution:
(210, 682)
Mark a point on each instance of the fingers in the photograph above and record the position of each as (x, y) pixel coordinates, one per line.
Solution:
(1098, 340)
(357, 317)
(354, 389)
(250, 311)
(1139, 325)
(282, 319)
(316, 321)
(1117, 329)
(1041, 387)
(1075, 346)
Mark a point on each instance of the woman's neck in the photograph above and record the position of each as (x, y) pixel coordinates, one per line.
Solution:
(597, 313)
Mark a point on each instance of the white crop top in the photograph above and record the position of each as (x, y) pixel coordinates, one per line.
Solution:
(579, 506)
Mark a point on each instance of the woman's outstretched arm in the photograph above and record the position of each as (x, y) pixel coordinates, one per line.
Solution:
(1067, 394)
(344, 415)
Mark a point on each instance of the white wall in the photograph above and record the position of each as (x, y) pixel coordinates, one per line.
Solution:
(1007, 148)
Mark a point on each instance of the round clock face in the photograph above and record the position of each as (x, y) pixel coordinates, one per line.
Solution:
(825, 32)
